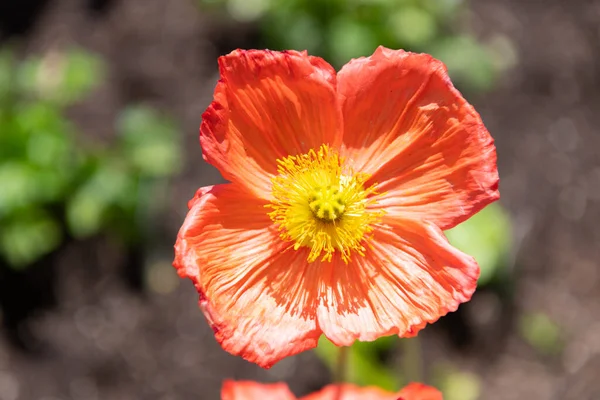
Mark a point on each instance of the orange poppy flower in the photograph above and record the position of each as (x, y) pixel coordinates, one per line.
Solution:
(341, 185)
(249, 390)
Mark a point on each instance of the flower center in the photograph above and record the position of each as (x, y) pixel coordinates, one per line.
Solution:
(320, 205)
(327, 203)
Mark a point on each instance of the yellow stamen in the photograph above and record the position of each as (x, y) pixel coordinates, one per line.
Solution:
(320, 205)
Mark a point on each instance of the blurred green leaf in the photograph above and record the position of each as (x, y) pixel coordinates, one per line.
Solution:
(52, 184)
(150, 141)
(85, 214)
(364, 367)
(108, 187)
(247, 10)
(61, 77)
(304, 33)
(461, 386)
(27, 75)
(18, 185)
(468, 62)
(541, 333)
(47, 150)
(83, 70)
(24, 240)
(43, 168)
(7, 70)
(211, 3)
(41, 118)
(349, 39)
(486, 236)
(413, 26)
(442, 8)
(380, 346)
(110, 181)
(385, 3)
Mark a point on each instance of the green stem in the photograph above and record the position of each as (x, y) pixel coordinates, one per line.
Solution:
(341, 369)
(411, 361)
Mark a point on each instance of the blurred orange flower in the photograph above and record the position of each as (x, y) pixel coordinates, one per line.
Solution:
(341, 185)
(249, 390)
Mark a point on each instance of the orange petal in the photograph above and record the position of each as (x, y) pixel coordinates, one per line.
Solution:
(426, 147)
(419, 391)
(249, 390)
(410, 276)
(268, 105)
(256, 296)
(349, 391)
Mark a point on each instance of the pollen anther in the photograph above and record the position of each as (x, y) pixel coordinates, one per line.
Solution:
(320, 205)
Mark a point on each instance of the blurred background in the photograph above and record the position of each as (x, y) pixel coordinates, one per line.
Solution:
(100, 104)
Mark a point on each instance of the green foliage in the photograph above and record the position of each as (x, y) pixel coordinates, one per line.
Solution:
(28, 235)
(486, 236)
(365, 366)
(149, 142)
(541, 333)
(456, 384)
(53, 185)
(339, 30)
(468, 62)
(108, 188)
(6, 73)
(59, 78)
